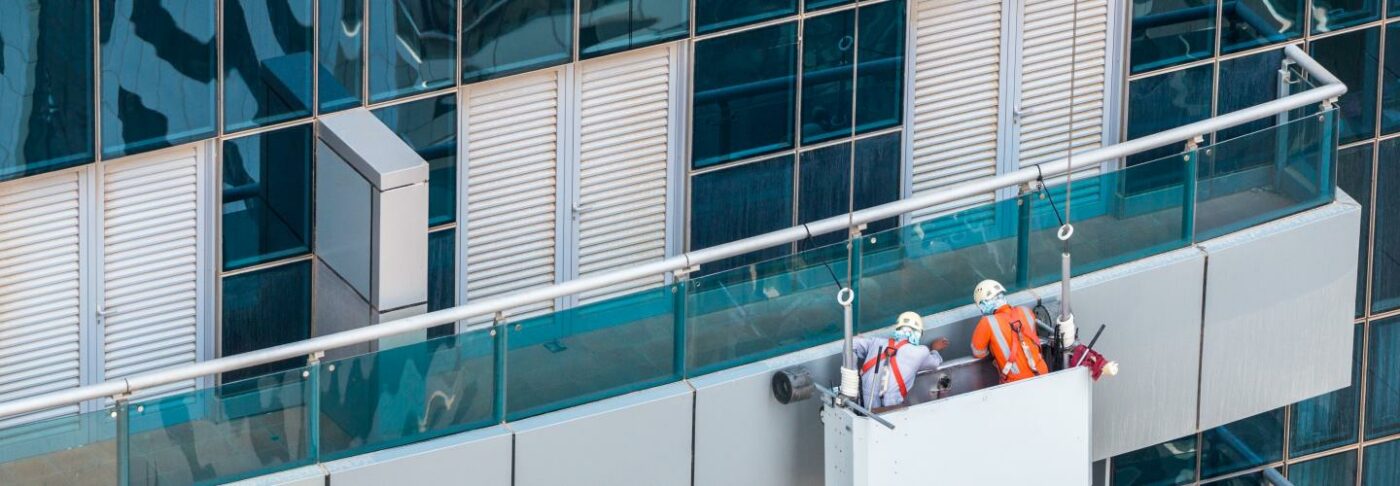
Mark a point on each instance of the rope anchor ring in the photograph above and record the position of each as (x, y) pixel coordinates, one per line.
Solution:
(1066, 231)
(845, 296)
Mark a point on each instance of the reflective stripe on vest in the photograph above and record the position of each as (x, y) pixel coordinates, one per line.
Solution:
(1000, 339)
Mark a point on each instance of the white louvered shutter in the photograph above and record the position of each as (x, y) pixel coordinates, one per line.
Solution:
(40, 292)
(150, 239)
(1056, 56)
(624, 113)
(512, 165)
(957, 63)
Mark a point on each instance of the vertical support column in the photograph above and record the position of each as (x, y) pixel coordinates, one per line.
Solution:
(498, 331)
(1024, 211)
(123, 416)
(313, 405)
(857, 243)
(680, 293)
(1327, 159)
(1190, 173)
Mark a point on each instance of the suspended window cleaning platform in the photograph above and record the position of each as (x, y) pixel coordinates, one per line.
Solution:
(505, 370)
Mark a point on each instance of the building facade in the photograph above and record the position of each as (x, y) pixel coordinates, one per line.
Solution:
(158, 158)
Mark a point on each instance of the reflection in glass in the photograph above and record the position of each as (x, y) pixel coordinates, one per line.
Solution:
(1171, 462)
(1245, 82)
(265, 308)
(341, 54)
(430, 127)
(158, 74)
(45, 87)
(1385, 260)
(1390, 81)
(607, 26)
(501, 37)
(1330, 15)
(1242, 444)
(1324, 471)
(1354, 58)
(825, 182)
(811, 5)
(740, 202)
(1383, 379)
(1164, 102)
(1171, 32)
(442, 276)
(1247, 24)
(828, 54)
(880, 89)
(1382, 464)
(266, 197)
(745, 88)
(412, 46)
(80, 443)
(267, 62)
(713, 15)
(1354, 177)
(1330, 420)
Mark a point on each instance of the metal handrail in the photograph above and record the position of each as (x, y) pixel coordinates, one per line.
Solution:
(1328, 91)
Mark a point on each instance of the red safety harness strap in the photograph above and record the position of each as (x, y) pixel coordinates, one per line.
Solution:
(888, 353)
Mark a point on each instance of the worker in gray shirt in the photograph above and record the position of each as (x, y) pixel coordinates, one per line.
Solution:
(889, 366)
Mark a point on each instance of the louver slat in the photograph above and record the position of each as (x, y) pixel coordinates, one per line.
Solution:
(1059, 53)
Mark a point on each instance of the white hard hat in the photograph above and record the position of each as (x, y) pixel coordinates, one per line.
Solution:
(987, 290)
(910, 320)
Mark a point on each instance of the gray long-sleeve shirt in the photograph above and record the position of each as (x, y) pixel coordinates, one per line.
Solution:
(878, 386)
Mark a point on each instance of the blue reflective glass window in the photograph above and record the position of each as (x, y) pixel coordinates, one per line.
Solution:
(340, 75)
(1353, 58)
(824, 182)
(45, 87)
(1382, 464)
(1383, 379)
(880, 87)
(1167, 101)
(607, 26)
(1354, 177)
(1330, 420)
(430, 127)
(1324, 471)
(1330, 15)
(442, 276)
(266, 308)
(159, 73)
(1171, 32)
(713, 15)
(1240, 82)
(501, 38)
(1385, 260)
(412, 46)
(1390, 81)
(745, 90)
(267, 62)
(1171, 462)
(1247, 24)
(739, 202)
(828, 55)
(1242, 444)
(267, 197)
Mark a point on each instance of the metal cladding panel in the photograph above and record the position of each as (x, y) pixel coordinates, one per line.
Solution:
(40, 295)
(639, 438)
(1063, 78)
(150, 265)
(483, 455)
(624, 117)
(1278, 319)
(512, 166)
(957, 76)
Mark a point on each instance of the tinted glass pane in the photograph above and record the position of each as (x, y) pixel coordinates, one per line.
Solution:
(825, 182)
(740, 202)
(712, 15)
(1167, 101)
(1385, 261)
(1383, 379)
(442, 276)
(158, 74)
(880, 89)
(70, 449)
(412, 46)
(1242, 444)
(1329, 15)
(614, 25)
(828, 54)
(1353, 58)
(1390, 81)
(811, 5)
(1250, 479)
(500, 38)
(267, 62)
(745, 89)
(266, 308)
(1172, 462)
(1171, 32)
(1252, 23)
(430, 127)
(267, 197)
(1330, 420)
(1245, 82)
(1354, 177)
(45, 87)
(341, 51)
(1324, 471)
(1382, 464)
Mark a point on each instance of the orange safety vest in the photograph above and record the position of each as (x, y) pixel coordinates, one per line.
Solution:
(1010, 333)
(887, 354)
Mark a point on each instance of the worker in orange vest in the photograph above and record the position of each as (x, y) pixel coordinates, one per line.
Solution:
(1007, 333)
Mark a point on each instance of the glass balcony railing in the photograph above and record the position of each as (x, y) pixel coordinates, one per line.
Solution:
(518, 369)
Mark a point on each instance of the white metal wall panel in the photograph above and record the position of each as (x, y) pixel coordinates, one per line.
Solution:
(512, 155)
(957, 79)
(1063, 75)
(40, 289)
(624, 113)
(150, 265)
